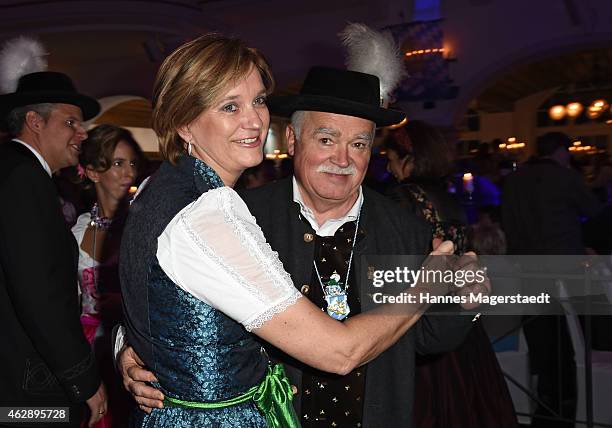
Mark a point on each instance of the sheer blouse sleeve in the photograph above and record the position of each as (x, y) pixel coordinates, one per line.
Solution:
(214, 250)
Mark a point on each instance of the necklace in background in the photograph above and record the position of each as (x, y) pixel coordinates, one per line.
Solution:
(104, 224)
(98, 221)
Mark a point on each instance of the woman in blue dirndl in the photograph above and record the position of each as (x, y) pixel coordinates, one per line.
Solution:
(197, 275)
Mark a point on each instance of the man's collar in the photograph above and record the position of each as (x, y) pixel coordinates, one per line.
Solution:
(330, 227)
(42, 160)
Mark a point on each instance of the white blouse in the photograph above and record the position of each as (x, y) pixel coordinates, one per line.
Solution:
(86, 265)
(214, 250)
(78, 230)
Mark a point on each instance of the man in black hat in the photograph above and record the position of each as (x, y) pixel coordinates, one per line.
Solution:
(45, 360)
(320, 222)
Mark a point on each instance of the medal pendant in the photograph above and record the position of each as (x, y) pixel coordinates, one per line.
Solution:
(337, 302)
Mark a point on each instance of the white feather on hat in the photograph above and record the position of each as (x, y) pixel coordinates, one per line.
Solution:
(20, 56)
(376, 53)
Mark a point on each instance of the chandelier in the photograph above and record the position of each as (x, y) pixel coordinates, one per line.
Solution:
(587, 98)
(595, 109)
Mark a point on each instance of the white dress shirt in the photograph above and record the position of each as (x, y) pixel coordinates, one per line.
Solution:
(330, 227)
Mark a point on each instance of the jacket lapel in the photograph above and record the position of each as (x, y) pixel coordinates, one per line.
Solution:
(294, 252)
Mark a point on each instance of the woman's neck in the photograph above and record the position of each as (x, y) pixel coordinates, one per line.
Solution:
(228, 179)
(107, 206)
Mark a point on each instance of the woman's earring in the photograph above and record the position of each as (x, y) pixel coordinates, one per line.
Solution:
(189, 145)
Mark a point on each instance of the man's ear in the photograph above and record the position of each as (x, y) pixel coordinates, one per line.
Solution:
(290, 134)
(34, 121)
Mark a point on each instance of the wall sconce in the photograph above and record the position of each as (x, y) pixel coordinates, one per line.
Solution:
(597, 108)
(574, 109)
(512, 144)
(557, 112)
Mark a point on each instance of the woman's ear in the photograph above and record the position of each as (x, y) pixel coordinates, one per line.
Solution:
(185, 133)
(407, 165)
(92, 174)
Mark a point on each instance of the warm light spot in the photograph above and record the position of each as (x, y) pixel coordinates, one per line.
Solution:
(424, 51)
(600, 104)
(574, 109)
(557, 112)
(399, 125)
(597, 108)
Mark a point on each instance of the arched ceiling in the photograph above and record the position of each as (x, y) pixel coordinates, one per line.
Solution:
(134, 113)
(112, 47)
(574, 69)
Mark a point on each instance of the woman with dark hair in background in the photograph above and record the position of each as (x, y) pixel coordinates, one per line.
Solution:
(463, 388)
(420, 160)
(108, 162)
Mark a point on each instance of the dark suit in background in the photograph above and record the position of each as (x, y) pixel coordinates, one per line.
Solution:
(543, 203)
(45, 359)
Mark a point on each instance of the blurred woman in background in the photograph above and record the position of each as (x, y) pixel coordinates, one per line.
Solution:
(463, 388)
(420, 160)
(108, 164)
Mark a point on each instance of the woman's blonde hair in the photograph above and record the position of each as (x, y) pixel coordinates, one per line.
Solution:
(193, 77)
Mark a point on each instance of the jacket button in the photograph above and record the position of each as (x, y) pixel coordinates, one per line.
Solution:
(305, 289)
(308, 237)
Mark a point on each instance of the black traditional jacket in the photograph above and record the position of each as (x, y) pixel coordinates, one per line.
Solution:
(388, 230)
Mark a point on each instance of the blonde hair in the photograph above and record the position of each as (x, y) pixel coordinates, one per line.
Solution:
(193, 77)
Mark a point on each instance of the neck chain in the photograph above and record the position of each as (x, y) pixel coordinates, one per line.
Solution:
(102, 223)
(335, 296)
(97, 221)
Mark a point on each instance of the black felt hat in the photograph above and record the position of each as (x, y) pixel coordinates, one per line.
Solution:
(338, 91)
(47, 87)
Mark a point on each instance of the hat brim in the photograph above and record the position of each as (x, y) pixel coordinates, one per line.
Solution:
(286, 105)
(89, 106)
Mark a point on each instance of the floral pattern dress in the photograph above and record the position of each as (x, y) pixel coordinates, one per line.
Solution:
(472, 371)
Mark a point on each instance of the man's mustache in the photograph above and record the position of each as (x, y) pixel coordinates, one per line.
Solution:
(332, 169)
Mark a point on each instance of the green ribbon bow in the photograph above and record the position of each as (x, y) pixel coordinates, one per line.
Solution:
(272, 397)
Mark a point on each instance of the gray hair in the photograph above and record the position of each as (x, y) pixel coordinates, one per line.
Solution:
(16, 118)
(297, 120)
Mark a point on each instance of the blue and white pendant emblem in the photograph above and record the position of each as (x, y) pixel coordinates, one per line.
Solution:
(335, 296)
